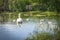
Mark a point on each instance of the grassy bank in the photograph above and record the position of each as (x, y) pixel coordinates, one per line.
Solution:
(31, 14)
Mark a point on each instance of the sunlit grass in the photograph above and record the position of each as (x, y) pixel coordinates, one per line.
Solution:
(34, 13)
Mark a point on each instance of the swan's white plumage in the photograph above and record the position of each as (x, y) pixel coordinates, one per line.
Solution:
(19, 20)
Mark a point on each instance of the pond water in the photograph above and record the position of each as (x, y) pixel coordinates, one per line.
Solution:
(10, 30)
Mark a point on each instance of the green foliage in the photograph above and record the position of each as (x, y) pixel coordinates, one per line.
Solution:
(1, 2)
(41, 5)
(45, 36)
(42, 36)
(57, 36)
(31, 5)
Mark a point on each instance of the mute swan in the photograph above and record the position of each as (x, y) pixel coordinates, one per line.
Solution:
(19, 20)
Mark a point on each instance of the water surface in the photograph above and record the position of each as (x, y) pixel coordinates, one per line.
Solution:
(10, 30)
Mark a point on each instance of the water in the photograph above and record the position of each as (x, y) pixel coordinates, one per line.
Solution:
(10, 30)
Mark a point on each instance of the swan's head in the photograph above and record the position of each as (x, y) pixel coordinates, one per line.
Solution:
(19, 14)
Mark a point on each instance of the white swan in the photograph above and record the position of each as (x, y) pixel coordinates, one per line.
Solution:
(19, 20)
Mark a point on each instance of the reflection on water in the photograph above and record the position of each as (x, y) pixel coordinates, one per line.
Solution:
(10, 31)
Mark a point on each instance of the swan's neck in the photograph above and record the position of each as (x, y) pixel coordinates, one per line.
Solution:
(19, 16)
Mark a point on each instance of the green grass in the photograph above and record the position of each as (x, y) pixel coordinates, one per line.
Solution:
(45, 36)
